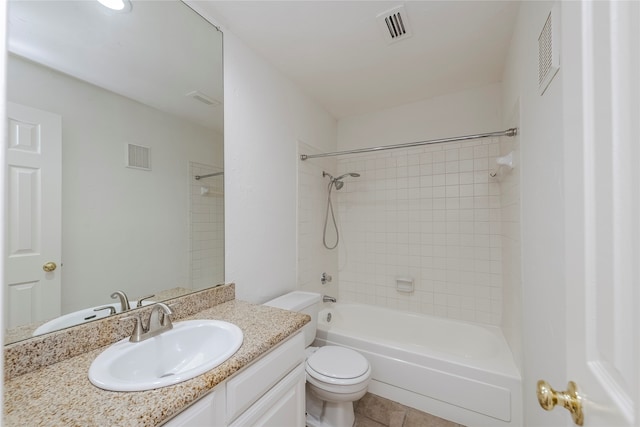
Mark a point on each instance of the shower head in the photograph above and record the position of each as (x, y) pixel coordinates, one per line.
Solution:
(338, 181)
(353, 174)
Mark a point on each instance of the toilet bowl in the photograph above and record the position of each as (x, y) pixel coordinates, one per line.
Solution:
(336, 376)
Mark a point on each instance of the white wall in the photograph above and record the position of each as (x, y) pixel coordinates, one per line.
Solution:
(541, 133)
(111, 213)
(266, 116)
(468, 112)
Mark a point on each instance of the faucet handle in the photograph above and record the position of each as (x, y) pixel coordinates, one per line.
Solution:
(139, 304)
(112, 309)
(325, 278)
(138, 329)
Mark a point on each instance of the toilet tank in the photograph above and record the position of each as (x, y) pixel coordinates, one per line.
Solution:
(302, 302)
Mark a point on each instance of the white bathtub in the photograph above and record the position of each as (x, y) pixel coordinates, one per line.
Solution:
(459, 371)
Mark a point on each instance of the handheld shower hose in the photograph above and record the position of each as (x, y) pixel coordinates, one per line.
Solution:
(338, 184)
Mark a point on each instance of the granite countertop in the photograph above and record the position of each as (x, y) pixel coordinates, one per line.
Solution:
(61, 394)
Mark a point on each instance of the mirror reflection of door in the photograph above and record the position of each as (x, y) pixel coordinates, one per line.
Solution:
(33, 215)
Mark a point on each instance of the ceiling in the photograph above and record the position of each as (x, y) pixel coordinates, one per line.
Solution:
(337, 52)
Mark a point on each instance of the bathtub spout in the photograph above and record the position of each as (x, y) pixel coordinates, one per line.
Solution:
(327, 298)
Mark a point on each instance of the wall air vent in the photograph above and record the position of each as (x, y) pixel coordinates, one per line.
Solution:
(394, 24)
(548, 50)
(138, 157)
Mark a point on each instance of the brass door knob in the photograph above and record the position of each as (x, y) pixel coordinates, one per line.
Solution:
(570, 399)
(49, 267)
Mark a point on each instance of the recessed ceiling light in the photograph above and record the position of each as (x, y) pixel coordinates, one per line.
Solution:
(117, 5)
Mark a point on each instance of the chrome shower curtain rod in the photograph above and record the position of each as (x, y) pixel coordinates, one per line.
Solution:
(198, 177)
(508, 132)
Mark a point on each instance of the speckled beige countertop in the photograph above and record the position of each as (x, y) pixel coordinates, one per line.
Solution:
(61, 394)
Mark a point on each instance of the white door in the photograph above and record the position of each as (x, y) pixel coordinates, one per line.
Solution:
(33, 215)
(600, 62)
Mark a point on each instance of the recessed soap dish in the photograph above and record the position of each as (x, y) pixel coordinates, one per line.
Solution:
(404, 285)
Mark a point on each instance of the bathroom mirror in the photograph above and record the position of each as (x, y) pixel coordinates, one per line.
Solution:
(138, 98)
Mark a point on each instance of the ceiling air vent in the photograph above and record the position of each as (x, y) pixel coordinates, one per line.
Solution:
(394, 24)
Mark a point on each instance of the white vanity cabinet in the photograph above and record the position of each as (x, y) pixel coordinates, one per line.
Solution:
(283, 405)
(208, 411)
(268, 392)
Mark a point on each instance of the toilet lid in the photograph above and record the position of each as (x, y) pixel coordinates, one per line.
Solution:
(338, 362)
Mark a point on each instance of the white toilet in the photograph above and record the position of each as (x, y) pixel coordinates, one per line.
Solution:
(336, 376)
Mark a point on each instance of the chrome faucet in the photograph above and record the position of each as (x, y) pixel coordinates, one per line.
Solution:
(159, 322)
(327, 298)
(124, 301)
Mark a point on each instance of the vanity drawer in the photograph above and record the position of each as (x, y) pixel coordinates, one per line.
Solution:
(249, 385)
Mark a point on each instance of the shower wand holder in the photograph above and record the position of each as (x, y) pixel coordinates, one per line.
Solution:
(502, 162)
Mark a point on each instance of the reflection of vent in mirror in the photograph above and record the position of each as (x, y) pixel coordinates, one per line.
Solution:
(205, 99)
(138, 157)
(548, 51)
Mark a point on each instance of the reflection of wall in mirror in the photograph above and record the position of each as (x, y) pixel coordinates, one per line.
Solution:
(112, 214)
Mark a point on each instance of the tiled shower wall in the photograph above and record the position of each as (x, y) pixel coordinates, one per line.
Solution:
(206, 232)
(432, 215)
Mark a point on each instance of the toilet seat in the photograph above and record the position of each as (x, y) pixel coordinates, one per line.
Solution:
(338, 366)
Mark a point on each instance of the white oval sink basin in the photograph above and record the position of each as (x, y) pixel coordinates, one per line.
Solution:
(81, 316)
(191, 348)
